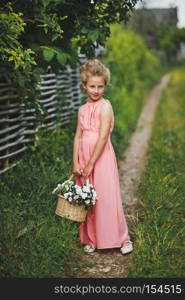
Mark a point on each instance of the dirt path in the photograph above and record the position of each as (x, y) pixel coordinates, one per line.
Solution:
(110, 263)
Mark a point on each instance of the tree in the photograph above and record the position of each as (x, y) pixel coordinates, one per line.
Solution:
(54, 32)
(169, 41)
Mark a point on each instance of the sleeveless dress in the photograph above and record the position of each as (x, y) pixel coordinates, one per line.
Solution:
(105, 225)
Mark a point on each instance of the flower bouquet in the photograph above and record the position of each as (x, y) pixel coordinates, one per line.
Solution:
(73, 200)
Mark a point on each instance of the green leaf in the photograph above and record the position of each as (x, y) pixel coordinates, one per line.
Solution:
(48, 54)
(84, 30)
(93, 35)
(22, 232)
(62, 58)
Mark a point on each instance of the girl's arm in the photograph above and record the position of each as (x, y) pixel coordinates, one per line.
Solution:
(106, 114)
(76, 167)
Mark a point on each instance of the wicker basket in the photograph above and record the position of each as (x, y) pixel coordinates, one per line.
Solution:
(71, 212)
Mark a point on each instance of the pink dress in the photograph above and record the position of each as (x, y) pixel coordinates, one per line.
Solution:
(105, 225)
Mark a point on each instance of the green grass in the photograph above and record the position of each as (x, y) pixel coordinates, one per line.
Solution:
(34, 241)
(160, 233)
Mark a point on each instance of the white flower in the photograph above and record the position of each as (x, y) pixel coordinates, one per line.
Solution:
(74, 193)
(79, 190)
(83, 195)
(66, 195)
(65, 182)
(95, 195)
(87, 201)
(59, 185)
(86, 189)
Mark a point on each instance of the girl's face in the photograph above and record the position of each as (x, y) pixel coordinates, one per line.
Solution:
(95, 87)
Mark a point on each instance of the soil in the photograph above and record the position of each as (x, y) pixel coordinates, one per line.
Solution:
(110, 263)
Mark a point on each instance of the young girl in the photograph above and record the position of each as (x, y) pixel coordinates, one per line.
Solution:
(94, 158)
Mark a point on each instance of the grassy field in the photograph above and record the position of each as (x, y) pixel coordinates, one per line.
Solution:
(160, 233)
(34, 241)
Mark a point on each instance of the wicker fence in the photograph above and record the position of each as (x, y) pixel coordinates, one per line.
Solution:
(60, 97)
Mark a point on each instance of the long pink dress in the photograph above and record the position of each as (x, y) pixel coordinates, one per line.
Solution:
(105, 225)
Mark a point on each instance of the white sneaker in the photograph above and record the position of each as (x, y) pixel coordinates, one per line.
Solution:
(127, 248)
(89, 248)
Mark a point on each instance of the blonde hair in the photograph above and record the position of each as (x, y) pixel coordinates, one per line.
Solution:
(93, 67)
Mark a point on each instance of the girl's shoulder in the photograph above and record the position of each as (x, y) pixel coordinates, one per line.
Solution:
(107, 104)
(80, 108)
(106, 107)
(108, 101)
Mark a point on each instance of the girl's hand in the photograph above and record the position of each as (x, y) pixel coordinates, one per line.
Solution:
(77, 170)
(87, 170)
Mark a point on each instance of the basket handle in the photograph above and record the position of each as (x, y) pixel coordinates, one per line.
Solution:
(71, 177)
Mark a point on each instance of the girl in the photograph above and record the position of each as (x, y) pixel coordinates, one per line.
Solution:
(94, 158)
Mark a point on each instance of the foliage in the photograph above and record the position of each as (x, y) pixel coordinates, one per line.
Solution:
(134, 70)
(34, 241)
(159, 235)
(17, 62)
(160, 33)
(65, 24)
(36, 33)
(169, 40)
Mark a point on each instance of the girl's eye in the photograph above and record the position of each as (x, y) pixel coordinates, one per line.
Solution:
(100, 86)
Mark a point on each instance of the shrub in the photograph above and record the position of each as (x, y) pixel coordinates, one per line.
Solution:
(134, 69)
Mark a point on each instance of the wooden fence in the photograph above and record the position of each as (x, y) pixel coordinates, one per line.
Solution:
(60, 97)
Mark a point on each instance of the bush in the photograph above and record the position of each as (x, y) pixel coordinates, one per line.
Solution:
(134, 71)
